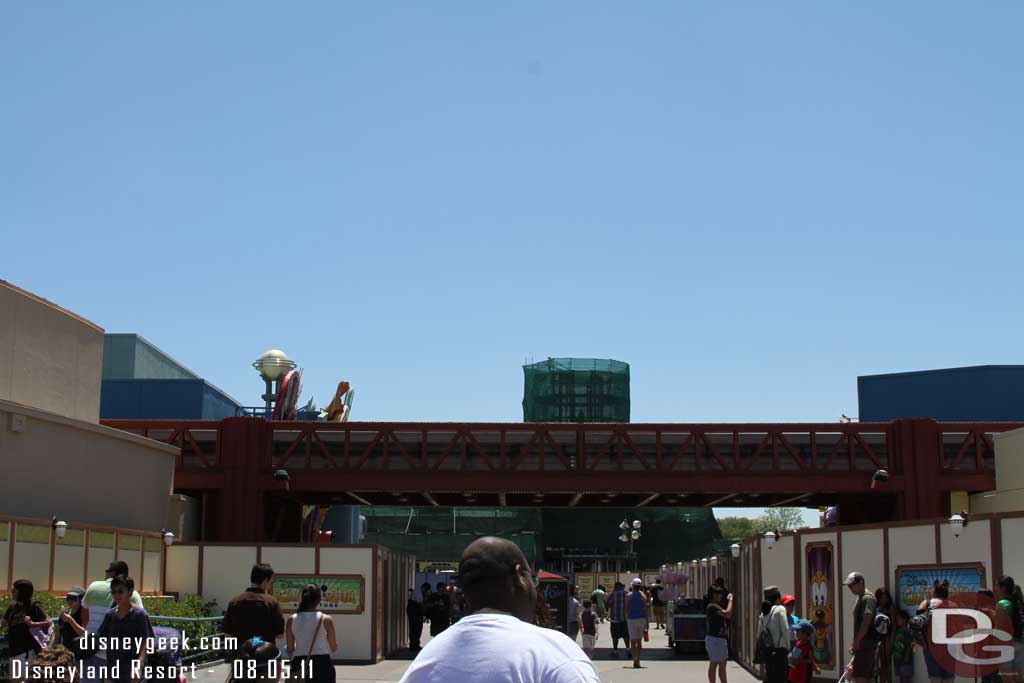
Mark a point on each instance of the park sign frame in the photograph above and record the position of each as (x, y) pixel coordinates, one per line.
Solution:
(346, 593)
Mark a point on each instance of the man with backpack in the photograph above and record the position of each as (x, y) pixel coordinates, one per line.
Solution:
(864, 647)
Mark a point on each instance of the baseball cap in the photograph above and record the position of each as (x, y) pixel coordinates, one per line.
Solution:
(637, 582)
(76, 592)
(805, 626)
(787, 599)
(853, 578)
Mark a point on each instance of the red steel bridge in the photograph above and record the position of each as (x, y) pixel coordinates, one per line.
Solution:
(231, 464)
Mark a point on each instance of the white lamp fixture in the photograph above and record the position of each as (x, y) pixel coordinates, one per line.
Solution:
(635, 535)
(636, 523)
(769, 539)
(735, 549)
(679, 565)
(624, 525)
(704, 561)
(273, 364)
(956, 523)
(60, 527)
(624, 538)
(168, 538)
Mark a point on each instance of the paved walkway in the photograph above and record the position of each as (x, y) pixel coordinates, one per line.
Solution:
(659, 667)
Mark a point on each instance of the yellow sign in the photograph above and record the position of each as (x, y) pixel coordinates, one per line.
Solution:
(587, 584)
(344, 593)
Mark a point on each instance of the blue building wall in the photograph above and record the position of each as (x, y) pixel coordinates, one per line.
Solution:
(156, 399)
(980, 393)
(130, 356)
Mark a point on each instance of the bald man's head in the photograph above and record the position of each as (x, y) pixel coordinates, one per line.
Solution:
(494, 574)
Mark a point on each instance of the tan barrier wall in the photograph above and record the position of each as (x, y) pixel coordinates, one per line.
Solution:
(30, 549)
(219, 571)
(992, 545)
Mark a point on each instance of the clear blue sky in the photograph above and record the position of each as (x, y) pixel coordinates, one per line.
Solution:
(751, 205)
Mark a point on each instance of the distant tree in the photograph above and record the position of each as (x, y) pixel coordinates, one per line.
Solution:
(779, 519)
(737, 528)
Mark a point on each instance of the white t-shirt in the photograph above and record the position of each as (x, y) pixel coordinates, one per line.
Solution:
(499, 648)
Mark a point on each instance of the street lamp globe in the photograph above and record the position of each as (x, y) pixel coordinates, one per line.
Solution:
(635, 535)
(273, 364)
(636, 523)
(624, 525)
(624, 538)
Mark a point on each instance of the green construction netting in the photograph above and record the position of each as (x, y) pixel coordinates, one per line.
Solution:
(576, 390)
(441, 534)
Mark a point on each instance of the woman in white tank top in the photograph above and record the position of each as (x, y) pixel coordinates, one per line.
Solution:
(311, 639)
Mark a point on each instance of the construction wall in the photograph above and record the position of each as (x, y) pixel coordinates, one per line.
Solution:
(811, 564)
(30, 549)
(219, 571)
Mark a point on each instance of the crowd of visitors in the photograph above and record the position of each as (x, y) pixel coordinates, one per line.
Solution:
(108, 613)
(496, 601)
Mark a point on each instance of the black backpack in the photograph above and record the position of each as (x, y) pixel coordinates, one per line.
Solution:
(919, 625)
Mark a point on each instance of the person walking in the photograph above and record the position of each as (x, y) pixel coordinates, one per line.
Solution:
(638, 618)
(22, 616)
(496, 642)
(597, 599)
(1011, 601)
(717, 638)
(802, 666)
(903, 648)
(254, 612)
(436, 609)
(886, 606)
(658, 603)
(98, 601)
(588, 625)
(617, 618)
(864, 646)
(575, 609)
(775, 622)
(939, 600)
(126, 629)
(789, 602)
(72, 624)
(414, 613)
(311, 639)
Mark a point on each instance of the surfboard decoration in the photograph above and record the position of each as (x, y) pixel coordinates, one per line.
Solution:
(339, 408)
(287, 396)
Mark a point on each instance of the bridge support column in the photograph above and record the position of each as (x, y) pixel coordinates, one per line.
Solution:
(918, 447)
(244, 450)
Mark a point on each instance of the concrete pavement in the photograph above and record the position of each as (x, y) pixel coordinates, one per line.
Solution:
(659, 667)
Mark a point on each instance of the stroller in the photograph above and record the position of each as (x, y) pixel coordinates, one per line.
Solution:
(165, 663)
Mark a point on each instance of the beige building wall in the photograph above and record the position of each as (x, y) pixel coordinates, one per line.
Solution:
(1009, 493)
(103, 476)
(1013, 547)
(50, 358)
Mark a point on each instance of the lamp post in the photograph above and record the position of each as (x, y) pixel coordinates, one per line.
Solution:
(630, 533)
(272, 366)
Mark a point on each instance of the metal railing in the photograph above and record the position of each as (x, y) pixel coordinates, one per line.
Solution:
(204, 628)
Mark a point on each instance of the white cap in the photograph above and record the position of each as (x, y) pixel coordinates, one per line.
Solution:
(637, 582)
